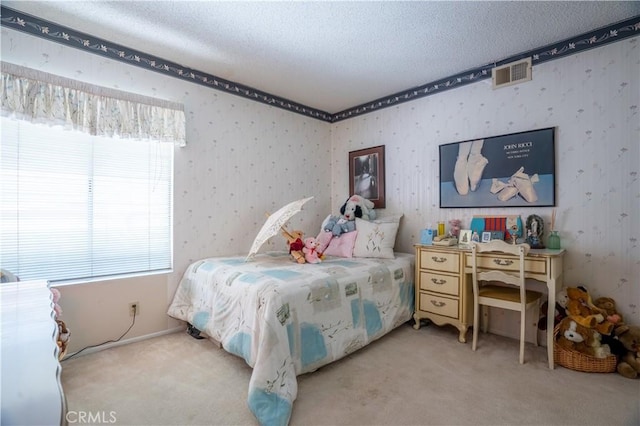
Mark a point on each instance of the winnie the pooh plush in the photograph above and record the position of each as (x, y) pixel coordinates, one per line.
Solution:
(295, 244)
(581, 309)
(629, 361)
(572, 335)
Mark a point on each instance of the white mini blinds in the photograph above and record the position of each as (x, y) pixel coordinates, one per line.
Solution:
(87, 181)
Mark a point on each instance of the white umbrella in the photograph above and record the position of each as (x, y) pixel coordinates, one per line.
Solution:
(273, 224)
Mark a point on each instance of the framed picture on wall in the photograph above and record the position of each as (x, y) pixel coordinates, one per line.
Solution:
(366, 174)
(514, 170)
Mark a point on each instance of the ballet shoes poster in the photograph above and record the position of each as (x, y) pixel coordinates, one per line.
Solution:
(516, 170)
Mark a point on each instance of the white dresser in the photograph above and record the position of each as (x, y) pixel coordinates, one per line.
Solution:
(31, 389)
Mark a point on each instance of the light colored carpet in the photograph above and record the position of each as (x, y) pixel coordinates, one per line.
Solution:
(409, 377)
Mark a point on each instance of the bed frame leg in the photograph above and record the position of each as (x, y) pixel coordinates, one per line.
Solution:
(193, 332)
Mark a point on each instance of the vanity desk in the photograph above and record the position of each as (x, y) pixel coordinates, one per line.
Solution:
(31, 389)
(443, 284)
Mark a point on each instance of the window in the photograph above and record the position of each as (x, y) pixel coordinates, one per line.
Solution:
(77, 206)
(86, 178)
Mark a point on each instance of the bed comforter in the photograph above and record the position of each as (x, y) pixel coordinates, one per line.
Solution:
(287, 319)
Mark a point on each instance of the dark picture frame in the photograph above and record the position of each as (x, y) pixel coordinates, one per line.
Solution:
(366, 174)
(513, 170)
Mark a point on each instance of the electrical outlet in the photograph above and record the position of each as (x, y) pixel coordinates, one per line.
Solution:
(134, 309)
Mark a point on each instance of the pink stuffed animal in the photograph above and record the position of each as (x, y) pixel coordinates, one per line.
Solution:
(455, 227)
(309, 250)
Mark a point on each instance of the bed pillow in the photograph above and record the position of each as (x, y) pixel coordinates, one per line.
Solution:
(342, 246)
(376, 238)
(324, 238)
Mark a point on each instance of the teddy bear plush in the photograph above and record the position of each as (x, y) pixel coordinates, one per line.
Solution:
(310, 253)
(608, 305)
(295, 244)
(629, 360)
(572, 335)
(581, 309)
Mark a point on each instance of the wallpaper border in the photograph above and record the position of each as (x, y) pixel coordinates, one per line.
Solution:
(48, 30)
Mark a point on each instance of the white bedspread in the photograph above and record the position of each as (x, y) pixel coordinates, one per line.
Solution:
(287, 319)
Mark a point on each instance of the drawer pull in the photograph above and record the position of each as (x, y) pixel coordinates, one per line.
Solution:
(439, 259)
(437, 304)
(503, 262)
(438, 282)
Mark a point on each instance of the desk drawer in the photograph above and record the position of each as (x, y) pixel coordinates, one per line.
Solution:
(440, 261)
(439, 283)
(495, 261)
(440, 305)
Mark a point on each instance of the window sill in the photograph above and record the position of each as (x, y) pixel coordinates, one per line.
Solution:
(62, 283)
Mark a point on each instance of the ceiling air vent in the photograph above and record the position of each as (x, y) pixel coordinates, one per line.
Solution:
(515, 72)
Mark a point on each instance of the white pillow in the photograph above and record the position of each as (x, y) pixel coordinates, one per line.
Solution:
(376, 238)
(388, 218)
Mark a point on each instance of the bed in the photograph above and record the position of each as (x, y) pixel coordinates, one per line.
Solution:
(285, 319)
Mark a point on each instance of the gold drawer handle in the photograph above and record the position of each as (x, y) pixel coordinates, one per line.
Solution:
(438, 282)
(437, 304)
(503, 262)
(439, 259)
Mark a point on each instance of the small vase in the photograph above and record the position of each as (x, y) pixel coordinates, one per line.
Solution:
(554, 241)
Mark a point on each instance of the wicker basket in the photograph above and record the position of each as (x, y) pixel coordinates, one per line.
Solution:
(579, 361)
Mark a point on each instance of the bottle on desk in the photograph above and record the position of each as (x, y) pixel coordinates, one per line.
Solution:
(554, 241)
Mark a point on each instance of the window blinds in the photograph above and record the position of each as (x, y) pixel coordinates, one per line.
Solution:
(78, 206)
(80, 202)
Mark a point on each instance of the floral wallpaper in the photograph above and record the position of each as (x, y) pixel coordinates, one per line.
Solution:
(592, 99)
(244, 158)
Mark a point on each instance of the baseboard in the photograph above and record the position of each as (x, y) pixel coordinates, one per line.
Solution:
(126, 342)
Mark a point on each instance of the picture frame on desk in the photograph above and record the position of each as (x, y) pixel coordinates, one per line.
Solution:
(464, 239)
(497, 235)
(486, 236)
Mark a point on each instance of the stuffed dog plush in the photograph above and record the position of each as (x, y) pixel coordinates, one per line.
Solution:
(357, 206)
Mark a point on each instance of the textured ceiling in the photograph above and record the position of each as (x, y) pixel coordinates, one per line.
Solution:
(331, 55)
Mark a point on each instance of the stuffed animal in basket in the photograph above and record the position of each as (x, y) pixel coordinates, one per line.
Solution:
(560, 311)
(295, 243)
(311, 255)
(558, 315)
(608, 305)
(571, 335)
(581, 309)
(629, 359)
